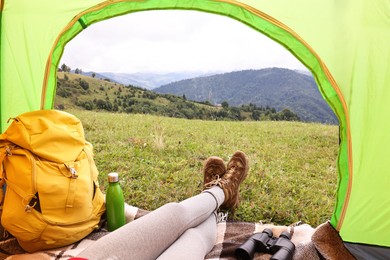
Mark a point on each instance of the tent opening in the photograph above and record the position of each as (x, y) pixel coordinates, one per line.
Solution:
(161, 129)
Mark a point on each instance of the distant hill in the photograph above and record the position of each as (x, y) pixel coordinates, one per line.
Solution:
(146, 80)
(76, 91)
(272, 87)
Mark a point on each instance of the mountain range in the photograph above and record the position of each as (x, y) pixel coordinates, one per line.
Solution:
(147, 80)
(273, 87)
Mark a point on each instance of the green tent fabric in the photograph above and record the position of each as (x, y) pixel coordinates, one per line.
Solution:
(344, 44)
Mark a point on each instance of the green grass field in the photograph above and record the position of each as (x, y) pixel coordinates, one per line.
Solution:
(292, 165)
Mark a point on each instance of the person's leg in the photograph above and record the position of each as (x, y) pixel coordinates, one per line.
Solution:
(150, 235)
(195, 243)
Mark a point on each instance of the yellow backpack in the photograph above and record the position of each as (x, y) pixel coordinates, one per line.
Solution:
(52, 196)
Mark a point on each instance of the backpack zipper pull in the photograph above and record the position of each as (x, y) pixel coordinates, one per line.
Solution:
(27, 208)
(8, 151)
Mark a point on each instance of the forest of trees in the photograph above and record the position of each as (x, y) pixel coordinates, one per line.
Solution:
(131, 99)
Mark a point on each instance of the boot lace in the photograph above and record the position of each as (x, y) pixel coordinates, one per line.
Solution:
(216, 182)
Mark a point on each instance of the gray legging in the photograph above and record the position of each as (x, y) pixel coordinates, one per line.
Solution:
(185, 230)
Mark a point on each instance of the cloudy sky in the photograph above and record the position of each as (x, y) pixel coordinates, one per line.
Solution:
(172, 41)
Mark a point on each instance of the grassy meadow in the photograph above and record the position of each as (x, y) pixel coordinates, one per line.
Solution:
(292, 164)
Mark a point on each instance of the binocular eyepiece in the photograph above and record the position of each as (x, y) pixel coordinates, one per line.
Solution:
(280, 248)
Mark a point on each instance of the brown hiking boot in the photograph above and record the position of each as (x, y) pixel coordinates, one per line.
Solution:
(214, 169)
(237, 170)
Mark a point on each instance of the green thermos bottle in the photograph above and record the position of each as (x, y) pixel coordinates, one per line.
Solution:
(115, 205)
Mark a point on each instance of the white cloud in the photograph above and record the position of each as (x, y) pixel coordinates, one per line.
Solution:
(166, 41)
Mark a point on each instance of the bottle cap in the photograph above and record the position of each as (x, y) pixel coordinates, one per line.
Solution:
(113, 177)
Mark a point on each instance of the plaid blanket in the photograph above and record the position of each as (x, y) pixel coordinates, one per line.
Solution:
(230, 236)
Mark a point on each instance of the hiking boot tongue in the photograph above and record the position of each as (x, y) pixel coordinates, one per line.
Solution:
(213, 170)
(236, 172)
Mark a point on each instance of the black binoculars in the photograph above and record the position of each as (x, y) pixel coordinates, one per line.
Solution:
(280, 248)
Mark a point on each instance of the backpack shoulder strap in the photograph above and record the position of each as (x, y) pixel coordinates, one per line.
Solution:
(5, 150)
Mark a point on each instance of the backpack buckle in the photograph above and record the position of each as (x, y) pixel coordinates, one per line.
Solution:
(73, 172)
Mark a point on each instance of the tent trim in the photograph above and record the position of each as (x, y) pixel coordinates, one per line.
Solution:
(341, 112)
(67, 28)
(1, 40)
